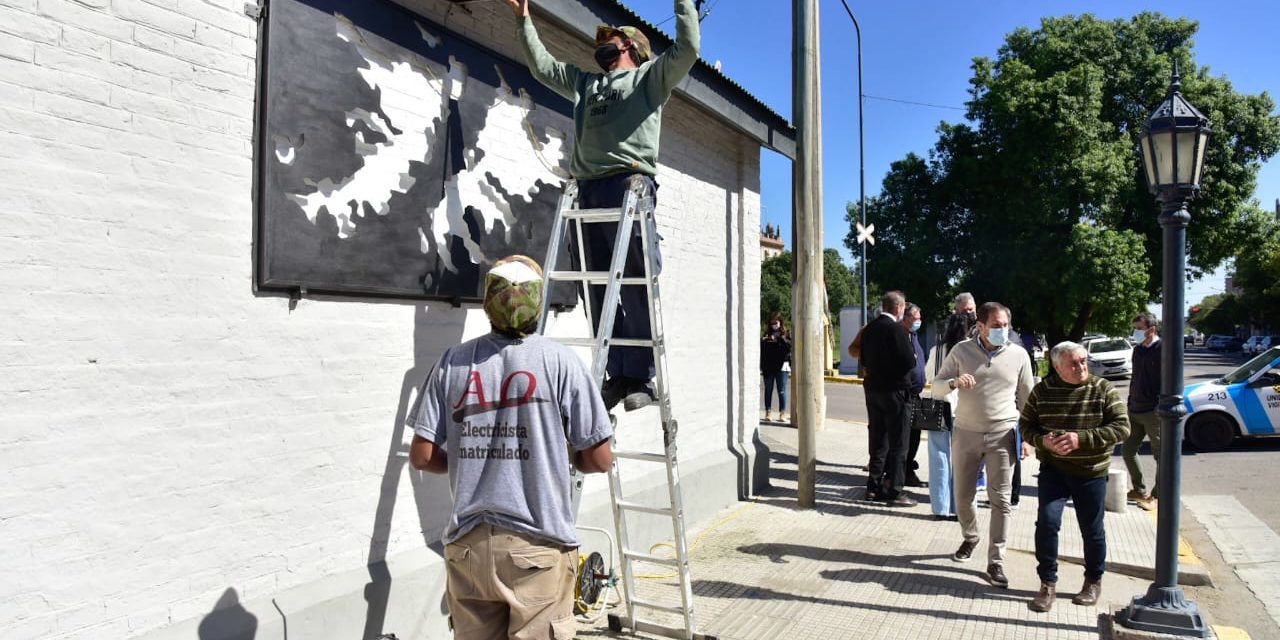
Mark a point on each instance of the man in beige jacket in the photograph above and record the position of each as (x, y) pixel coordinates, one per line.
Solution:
(994, 378)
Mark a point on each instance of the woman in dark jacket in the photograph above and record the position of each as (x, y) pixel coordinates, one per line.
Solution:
(775, 364)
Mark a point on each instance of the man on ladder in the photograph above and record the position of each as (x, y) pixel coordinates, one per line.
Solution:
(617, 124)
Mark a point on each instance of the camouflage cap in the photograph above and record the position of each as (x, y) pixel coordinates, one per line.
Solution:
(637, 38)
(513, 295)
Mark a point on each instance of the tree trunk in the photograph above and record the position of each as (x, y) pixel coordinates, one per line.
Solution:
(1082, 321)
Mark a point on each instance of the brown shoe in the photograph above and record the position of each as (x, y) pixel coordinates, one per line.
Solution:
(1043, 601)
(1089, 593)
(995, 575)
(1146, 504)
(1136, 495)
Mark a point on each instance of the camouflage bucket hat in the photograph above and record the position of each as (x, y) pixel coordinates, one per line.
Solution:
(513, 295)
(637, 38)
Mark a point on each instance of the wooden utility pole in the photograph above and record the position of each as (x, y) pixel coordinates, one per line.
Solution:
(807, 403)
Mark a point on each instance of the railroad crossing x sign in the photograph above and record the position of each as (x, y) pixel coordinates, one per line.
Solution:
(864, 234)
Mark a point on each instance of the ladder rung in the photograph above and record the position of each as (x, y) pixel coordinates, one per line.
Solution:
(593, 277)
(594, 215)
(639, 455)
(646, 557)
(613, 342)
(631, 506)
(658, 607)
(631, 342)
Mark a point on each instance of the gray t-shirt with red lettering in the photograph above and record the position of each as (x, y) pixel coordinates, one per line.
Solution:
(508, 411)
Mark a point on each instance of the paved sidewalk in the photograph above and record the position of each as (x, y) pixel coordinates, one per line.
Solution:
(849, 568)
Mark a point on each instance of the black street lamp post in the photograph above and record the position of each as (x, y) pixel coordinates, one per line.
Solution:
(862, 165)
(1173, 148)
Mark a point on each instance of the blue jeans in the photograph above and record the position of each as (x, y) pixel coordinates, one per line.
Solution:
(779, 378)
(1089, 496)
(632, 319)
(942, 498)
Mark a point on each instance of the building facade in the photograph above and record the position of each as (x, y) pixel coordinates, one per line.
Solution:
(188, 453)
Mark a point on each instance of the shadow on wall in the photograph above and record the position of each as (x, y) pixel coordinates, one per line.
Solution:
(229, 620)
(436, 327)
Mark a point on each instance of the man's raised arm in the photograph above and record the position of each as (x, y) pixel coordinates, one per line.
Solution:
(557, 75)
(674, 64)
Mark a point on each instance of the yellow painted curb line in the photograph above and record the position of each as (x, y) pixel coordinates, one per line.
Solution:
(1229, 633)
(1185, 554)
(844, 379)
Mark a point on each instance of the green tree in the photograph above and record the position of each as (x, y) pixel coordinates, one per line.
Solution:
(1257, 273)
(842, 291)
(776, 289)
(1040, 199)
(914, 250)
(1219, 314)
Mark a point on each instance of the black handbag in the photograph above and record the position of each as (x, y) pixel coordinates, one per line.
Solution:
(928, 414)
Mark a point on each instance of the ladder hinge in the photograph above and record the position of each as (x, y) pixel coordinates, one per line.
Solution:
(256, 9)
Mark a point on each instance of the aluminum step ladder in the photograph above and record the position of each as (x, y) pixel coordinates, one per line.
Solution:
(637, 206)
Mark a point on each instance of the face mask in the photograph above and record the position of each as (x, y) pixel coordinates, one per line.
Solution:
(607, 55)
(971, 316)
(998, 336)
(1139, 335)
(915, 326)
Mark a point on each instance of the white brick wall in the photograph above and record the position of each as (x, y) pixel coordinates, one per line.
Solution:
(166, 433)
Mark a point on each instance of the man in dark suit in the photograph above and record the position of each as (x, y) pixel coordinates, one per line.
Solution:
(889, 358)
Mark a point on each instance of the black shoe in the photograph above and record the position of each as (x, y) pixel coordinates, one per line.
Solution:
(913, 480)
(965, 551)
(995, 575)
(873, 493)
(640, 395)
(613, 390)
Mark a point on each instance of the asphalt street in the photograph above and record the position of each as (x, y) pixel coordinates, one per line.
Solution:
(1248, 470)
(1231, 492)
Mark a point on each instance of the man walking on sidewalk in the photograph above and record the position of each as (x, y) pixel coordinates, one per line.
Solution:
(505, 415)
(617, 117)
(994, 379)
(1074, 421)
(889, 358)
(1144, 391)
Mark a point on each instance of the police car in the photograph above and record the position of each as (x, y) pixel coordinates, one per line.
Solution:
(1245, 402)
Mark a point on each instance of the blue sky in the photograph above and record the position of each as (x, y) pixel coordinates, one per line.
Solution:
(920, 51)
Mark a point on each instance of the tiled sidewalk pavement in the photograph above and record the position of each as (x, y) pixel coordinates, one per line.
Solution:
(767, 570)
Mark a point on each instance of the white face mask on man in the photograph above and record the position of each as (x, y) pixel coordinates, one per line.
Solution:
(1139, 335)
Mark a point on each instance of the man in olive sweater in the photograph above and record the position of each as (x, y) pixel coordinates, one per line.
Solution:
(1074, 421)
(617, 117)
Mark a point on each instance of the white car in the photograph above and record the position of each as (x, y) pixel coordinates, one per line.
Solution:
(1245, 402)
(1109, 357)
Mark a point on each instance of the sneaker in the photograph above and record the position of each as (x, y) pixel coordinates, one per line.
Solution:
(965, 551)
(1136, 495)
(1089, 593)
(613, 390)
(995, 575)
(1146, 504)
(901, 500)
(1043, 601)
(640, 395)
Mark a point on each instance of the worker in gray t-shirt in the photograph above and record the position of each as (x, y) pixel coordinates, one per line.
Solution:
(505, 415)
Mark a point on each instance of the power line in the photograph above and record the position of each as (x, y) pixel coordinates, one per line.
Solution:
(913, 103)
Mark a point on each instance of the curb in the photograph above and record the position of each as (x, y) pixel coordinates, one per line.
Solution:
(844, 379)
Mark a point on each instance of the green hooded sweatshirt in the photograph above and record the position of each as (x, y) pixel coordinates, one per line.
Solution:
(617, 116)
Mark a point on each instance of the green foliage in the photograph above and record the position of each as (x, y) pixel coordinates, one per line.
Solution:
(1257, 272)
(775, 285)
(842, 290)
(1219, 314)
(1039, 201)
